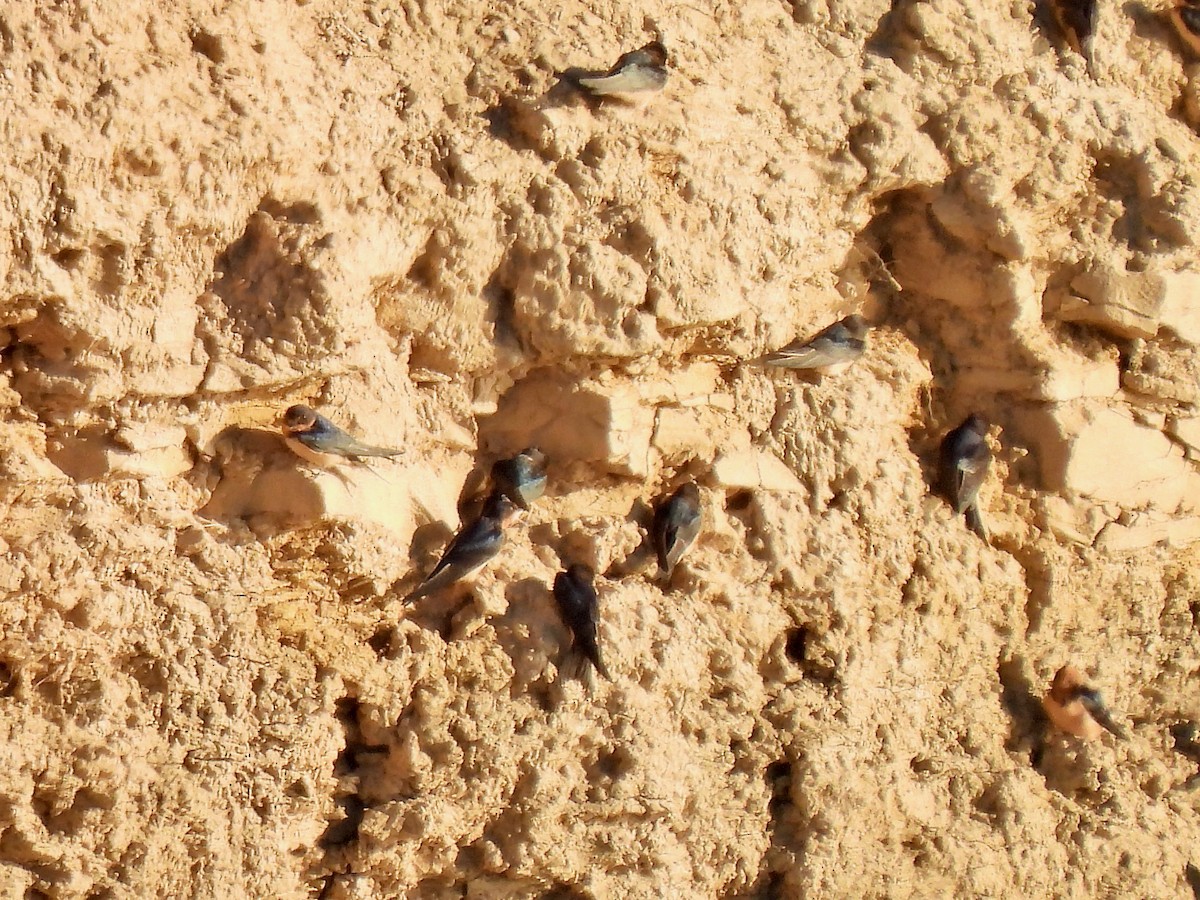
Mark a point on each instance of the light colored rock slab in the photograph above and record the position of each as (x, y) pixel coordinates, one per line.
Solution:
(1136, 304)
(1109, 457)
(1146, 531)
(755, 469)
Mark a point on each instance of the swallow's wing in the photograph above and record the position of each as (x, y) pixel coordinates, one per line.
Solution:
(473, 546)
(675, 531)
(1095, 706)
(361, 449)
(576, 601)
(823, 350)
(580, 606)
(628, 79)
(971, 469)
(663, 537)
(685, 536)
(332, 439)
(1077, 20)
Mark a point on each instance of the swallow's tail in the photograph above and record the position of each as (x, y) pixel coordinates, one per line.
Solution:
(597, 662)
(384, 452)
(801, 358)
(627, 81)
(1095, 706)
(422, 590)
(427, 587)
(975, 522)
(1107, 722)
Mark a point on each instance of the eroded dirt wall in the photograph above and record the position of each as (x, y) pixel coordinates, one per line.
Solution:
(397, 212)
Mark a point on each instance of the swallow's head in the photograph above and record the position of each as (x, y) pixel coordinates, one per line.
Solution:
(536, 457)
(857, 326)
(656, 53)
(976, 423)
(1068, 684)
(581, 572)
(689, 492)
(299, 419)
(499, 507)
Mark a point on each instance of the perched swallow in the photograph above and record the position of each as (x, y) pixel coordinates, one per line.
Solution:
(1076, 708)
(474, 545)
(580, 608)
(314, 438)
(644, 69)
(963, 463)
(831, 351)
(676, 524)
(1076, 20)
(1185, 16)
(522, 479)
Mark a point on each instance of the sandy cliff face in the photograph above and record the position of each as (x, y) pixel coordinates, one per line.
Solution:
(209, 686)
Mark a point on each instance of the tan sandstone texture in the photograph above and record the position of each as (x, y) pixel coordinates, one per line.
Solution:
(396, 211)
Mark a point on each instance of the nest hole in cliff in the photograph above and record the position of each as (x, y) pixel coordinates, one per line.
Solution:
(1027, 720)
(382, 641)
(895, 256)
(741, 507)
(796, 644)
(69, 258)
(344, 830)
(799, 646)
(779, 781)
(612, 763)
(768, 886)
(208, 45)
(348, 762)
(739, 501)
(564, 891)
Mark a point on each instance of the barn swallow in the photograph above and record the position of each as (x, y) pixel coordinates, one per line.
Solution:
(1076, 708)
(474, 545)
(314, 438)
(963, 461)
(676, 524)
(831, 351)
(522, 478)
(579, 606)
(1185, 16)
(637, 71)
(1076, 20)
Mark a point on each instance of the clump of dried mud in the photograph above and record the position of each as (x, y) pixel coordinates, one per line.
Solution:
(398, 212)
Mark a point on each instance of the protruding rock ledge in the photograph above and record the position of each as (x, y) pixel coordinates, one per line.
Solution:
(1136, 304)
